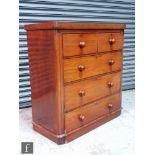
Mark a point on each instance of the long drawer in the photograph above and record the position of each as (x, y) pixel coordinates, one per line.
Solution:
(89, 90)
(79, 68)
(83, 115)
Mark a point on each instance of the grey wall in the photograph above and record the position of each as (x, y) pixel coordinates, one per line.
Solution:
(100, 11)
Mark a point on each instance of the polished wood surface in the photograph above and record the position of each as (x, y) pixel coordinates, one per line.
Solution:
(73, 25)
(92, 125)
(75, 77)
(110, 41)
(76, 44)
(45, 86)
(88, 113)
(93, 65)
(86, 91)
(87, 43)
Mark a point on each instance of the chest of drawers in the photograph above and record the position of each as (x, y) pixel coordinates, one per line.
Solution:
(75, 77)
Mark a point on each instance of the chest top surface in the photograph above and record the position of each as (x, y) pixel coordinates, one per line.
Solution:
(72, 25)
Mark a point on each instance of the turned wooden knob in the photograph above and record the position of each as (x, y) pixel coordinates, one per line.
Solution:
(81, 117)
(111, 41)
(81, 68)
(110, 106)
(111, 62)
(82, 44)
(110, 84)
(82, 93)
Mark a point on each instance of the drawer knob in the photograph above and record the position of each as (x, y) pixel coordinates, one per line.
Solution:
(110, 106)
(81, 118)
(81, 68)
(111, 62)
(111, 41)
(110, 84)
(82, 44)
(82, 93)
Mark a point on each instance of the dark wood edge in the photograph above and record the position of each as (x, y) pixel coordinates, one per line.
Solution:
(73, 25)
(60, 99)
(59, 139)
(62, 81)
(92, 54)
(94, 124)
(122, 70)
(89, 31)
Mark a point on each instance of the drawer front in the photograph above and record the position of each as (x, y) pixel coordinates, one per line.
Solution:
(77, 118)
(79, 68)
(77, 44)
(89, 90)
(110, 41)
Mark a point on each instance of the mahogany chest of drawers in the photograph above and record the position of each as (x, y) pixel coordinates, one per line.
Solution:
(75, 76)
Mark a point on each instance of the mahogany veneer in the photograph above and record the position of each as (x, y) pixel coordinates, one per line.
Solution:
(75, 76)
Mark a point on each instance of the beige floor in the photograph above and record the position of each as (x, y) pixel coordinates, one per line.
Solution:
(113, 138)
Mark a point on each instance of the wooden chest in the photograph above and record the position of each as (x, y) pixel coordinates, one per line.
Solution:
(75, 76)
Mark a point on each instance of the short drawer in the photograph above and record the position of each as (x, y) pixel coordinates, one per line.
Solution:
(78, 44)
(110, 41)
(77, 118)
(79, 68)
(89, 90)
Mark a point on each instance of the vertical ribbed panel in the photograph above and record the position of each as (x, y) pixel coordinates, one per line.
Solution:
(99, 11)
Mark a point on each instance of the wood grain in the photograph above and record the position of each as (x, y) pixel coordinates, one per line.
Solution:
(45, 86)
(75, 77)
(93, 66)
(72, 25)
(94, 88)
(71, 44)
(91, 112)
(104, 44)
(92, 125)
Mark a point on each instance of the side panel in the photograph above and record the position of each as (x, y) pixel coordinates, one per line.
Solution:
(45, 81)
